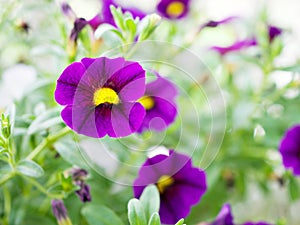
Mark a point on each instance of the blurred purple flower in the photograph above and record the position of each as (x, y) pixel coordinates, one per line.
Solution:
(237, 46)
(180, 185)
(273, 32)
(79, 176)
(224, 217)
(60, 212)
(100, 96)
(290, 149)
(173, 9)
(213, 23)
(68, 11)
(159, 103)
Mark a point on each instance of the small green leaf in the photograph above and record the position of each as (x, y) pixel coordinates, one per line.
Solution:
(136, 214)
(100, 215)
(70, 152)
(30, 168)
(106, 28)
(180, 222)
(130, 25)
(295, 68)
(294, 189)
(154, 219)
(45, 121)
(150, 200)
(118, 17)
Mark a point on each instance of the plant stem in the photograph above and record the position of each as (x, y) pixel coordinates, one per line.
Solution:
(7, 204)
(6, 178)
(46, 142)
(41, 188)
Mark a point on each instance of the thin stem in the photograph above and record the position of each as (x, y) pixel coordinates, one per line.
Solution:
(46, 142)
(41, 188)
(7, 204)
(6, 178)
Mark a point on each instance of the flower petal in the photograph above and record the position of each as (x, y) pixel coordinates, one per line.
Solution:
(126, 119)
(68, 82)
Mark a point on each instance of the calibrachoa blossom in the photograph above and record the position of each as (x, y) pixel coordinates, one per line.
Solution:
(237, 46)
(290, 149)
(159, 102)
(224, 217)
(180, 184)
(273, 32)
(60, 212)
(100, 96)
(173, 9)
(79, 176)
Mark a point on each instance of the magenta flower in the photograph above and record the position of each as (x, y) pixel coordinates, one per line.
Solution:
(60, 212)
(238, 45)
(159, 103)
(213, 23)
(224, 217)
(173, 9)
(100, 96)
(180, 185)
(290, 149)
(273, 32)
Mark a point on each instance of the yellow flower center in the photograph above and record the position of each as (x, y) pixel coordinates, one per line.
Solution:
(164, 182)
(147, 102)
(105, 95)
(175, 9)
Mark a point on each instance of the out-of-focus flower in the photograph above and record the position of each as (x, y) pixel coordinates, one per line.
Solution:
(100, 96)
(180, 184)
(68, 11)
(273, 32)
(60, 212)
(213, 23)
(107, 17)
(224, 217)
(79, 176)
(159, 103)
(237, 46)
(173, 9)
(290, 149)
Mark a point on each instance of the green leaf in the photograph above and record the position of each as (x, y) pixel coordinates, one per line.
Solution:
(136, 214)
(294, 190)
(70, 152)
(150, 200)
(105, 28)
(118, 17)
(295, 68)
(100, 215)
(154, 219)
(180, 222)
(45, 121)
(130, 25)
(30, 168)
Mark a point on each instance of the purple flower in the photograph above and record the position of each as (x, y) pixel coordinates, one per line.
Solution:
(159, 103)
(79, 176)
(258, 223)
(84, 192)
(290, 149)
(273, 32)
(100, 96)
(224, 217)
(107, 17)
(180, 185)
(173, 9)
(213, 23)
(238, 45)
(60, 212)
